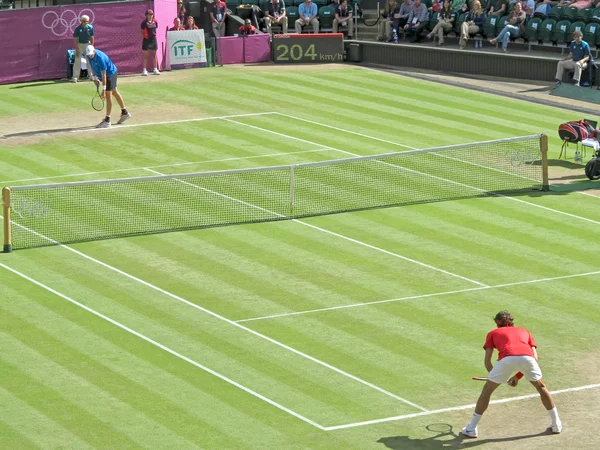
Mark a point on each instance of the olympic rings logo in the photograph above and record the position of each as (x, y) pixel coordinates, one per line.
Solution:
(66, 22)
(32, 207)
(521, 157)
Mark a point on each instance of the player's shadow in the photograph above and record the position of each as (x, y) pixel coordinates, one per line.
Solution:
(447, 439)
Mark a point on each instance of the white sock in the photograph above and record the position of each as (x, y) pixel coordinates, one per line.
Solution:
(474, 421)
(553, 413)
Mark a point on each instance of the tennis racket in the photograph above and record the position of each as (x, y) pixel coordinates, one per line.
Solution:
(480, 378)
(97, 101)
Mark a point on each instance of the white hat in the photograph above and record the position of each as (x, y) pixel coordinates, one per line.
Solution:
(89, 50)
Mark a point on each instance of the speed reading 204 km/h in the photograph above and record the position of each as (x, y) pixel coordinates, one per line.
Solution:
(308, 48)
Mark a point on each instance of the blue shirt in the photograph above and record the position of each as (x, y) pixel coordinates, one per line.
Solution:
(84, 34)
(307, 11)
(580, 51)
(100, 63)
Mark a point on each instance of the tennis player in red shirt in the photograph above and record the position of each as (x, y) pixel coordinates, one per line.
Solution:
(516, 353)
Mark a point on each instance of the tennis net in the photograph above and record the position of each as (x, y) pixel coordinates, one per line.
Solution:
(92, 210)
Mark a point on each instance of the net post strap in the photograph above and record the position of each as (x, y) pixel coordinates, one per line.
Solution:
(544, 151)
(6, 215)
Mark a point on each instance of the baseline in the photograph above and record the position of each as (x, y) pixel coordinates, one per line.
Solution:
(457, 408)
(164, 348)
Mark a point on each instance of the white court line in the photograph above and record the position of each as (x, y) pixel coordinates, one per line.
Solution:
(416, 297)
(218, 316)
(456, 408)
(165, 348)
(166, 165)
(133, 125)
(595, 222)
(356, 241)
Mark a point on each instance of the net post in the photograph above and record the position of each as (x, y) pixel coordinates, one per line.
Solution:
(291, 189)
(544, 151)
(6, 215)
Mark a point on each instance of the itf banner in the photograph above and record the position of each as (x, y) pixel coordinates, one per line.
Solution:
(186, 49)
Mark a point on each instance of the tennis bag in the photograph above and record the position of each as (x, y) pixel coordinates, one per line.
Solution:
(575, 131)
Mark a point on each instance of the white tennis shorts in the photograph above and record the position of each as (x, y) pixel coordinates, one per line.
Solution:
(510, 365)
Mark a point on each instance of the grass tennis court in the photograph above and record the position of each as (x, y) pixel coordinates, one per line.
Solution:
(348, 331)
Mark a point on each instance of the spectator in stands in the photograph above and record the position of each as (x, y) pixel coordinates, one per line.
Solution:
(276, 15)
(544, 6)
(190, 24)
(343, 17)
(105, 74)
(82, 37)
(308, 16)
(513, 28)
(578, 58)
(473, 24)
(149, 44)
(177, 25)
(401, 19)
(498, 8)
(528, 6)
(247, 28)
(417, 20)
(579, 4)
(385, 21)
(435, 6)
(181, 11)
(217, 17)
(445, 23)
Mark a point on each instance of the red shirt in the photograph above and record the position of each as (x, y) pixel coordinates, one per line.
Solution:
(510, 341)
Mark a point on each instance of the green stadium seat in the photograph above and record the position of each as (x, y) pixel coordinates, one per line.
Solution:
(570, 14)
(292, 15)
(434, 18)
(545, 31)
(590, 33)
(585, 15)
(296, 2)
(556, 12)
(489, 27)
(326, 15)
(501, 24)
(560, 32)
(532, 29)
(247, 2)
(595, 15)
(320, 3)
(232, 4)
(575, 26)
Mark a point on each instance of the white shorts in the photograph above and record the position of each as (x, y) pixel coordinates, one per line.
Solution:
(510, 365)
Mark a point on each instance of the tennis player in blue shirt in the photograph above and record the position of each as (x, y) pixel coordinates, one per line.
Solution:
(105, 72)
(578, 58)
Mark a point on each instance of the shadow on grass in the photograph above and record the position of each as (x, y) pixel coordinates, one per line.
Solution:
(447, 439)
(34, 85)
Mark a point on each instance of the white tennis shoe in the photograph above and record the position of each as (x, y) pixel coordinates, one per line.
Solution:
(124, 117)
(103, 124)
(469, 433)
(556, 429)
(144, 73)
(156, 72)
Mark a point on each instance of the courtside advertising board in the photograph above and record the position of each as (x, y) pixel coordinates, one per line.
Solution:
(186, 49)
